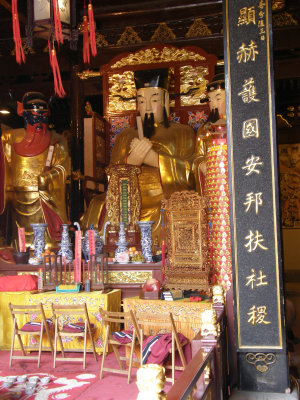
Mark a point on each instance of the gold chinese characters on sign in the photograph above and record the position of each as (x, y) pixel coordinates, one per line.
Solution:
(186, 221)
(123, 199)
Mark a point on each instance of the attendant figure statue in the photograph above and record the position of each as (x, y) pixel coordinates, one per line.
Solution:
(36, 163)
(211, 172)
(165, 152)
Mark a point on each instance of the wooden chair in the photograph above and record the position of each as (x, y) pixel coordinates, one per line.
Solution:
(36, 328)
(151, 327)
(116, 338)
(76, 329)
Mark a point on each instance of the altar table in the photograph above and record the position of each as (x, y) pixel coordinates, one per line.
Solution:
(186, 313)
(110, 301)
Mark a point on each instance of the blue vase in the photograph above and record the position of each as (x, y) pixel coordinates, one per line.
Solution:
(146, 239)
(65, 244)
(121, 243)
(39, 240)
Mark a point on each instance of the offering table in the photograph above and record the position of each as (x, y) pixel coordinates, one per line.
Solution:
(186, 313)
(110, 301)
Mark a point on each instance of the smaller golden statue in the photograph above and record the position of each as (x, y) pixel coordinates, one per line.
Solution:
(36, 165)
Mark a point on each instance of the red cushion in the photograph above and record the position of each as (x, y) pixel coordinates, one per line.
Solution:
(75, 327)
(18, 283)
(34, 326)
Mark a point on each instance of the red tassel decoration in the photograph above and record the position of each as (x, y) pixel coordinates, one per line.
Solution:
(16, 33)
(92, 29)
(57, 23)
(58, 87)
(86, 48)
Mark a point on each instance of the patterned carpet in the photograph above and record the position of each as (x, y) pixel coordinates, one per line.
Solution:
(67, 381)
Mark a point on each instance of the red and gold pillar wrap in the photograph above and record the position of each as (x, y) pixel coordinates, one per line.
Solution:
(216, 191)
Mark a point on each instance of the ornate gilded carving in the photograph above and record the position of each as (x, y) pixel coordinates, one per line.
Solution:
(192, 77)
(121, 85)
(129, 276)
(118, 173)
(261, 361)
(283, 19)
(150, 381)
(186, 221)
(278, 5)
(154, 55)
(209, 324)
(162, 33)
(129, 36)
(198, 29)
(100, 149)
(87, 74)
(100, 40)
(218, 294)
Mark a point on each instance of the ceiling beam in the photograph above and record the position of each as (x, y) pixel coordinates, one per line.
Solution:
(7, 6)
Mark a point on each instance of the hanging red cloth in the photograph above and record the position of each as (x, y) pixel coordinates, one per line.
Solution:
(92, 29)
(16, 33)
(57, 23)
(58, 86)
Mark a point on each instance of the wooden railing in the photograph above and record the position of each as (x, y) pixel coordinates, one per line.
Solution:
(206, 376)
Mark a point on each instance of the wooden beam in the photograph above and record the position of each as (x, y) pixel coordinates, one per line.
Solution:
(7, 6)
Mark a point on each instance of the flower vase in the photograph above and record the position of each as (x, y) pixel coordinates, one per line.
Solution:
(146, 239)
(39, 240)
(65, 244)
(121, 243)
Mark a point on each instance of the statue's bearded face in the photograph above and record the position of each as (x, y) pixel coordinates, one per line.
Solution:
(153, 100)
(217, 101)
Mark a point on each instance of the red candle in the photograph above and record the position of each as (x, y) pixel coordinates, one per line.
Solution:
(163, 253)
(65, 270)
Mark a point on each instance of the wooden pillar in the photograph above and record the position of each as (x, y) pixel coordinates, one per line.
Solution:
(77, 107)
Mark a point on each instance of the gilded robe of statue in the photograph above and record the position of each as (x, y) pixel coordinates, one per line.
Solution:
(36, 194)
(175, 147)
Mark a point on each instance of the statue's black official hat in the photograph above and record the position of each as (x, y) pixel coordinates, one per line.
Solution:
(152, 78)
(34, 101)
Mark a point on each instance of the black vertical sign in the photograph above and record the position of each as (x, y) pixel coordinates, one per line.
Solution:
(256, 248)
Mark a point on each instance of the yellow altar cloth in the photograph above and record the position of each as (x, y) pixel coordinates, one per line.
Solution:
(5, 317)
(186, 313)
(110, 301)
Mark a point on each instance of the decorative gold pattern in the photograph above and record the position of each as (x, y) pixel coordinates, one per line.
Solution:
(192, 77)
(100, 40)
(198, 29)
(209, 325)
(154, 55)
(121, 85)
(100, 149)
(278, 5)
(162, 33)
(261, 361)
(116, 173)
(186, 239)
(218, 294)
(87, 74)
(283, 19)
(129, 36)
(129, 276)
